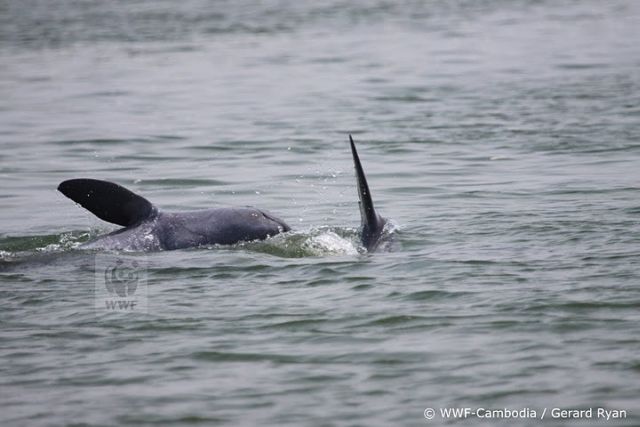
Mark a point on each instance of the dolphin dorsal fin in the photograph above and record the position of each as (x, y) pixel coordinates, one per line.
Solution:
(108, 201)
(372, 223)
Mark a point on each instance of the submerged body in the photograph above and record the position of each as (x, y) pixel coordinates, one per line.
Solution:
(146, 228)
(168, 231)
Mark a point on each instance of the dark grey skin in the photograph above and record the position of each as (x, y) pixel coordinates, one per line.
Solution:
(168, 231)
(146, 228)
(149, 229)
(372, 227)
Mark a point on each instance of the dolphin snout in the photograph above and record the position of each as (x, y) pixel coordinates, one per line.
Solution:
(279, 222)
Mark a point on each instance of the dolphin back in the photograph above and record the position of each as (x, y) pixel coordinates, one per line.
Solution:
(108, 201)
(372, 223)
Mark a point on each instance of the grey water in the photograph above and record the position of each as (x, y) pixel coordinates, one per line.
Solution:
(501, 138)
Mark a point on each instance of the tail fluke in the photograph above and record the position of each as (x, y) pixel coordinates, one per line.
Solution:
(108, 201)
(372, 223)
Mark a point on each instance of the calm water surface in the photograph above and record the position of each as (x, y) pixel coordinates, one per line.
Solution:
(501, 137)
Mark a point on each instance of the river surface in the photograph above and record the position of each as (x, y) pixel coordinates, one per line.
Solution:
(501, 138)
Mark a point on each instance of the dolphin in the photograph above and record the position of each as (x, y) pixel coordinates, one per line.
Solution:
(147, 228)
(372, 224)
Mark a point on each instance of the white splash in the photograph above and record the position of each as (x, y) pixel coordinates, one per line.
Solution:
(329, 243)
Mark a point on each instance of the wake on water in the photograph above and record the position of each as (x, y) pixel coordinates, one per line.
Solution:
(313, 242)
(321, 241)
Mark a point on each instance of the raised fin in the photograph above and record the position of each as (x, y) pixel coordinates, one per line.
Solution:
(108, 201)
(372, 223)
